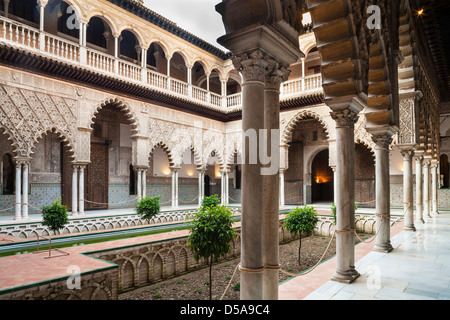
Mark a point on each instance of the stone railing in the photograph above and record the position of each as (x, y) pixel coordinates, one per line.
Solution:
(32, 39)
(32, 229)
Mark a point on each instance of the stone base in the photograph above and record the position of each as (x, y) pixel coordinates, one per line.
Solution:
(348, 277)
(383, 248)
(409, 228)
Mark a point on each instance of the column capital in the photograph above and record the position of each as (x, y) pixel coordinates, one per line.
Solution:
(344, 118)
(253, 66)
(174, 168)
(276, 75)
(382, 141)
(408, 154)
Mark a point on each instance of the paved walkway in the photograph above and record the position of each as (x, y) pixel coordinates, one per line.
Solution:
(417, 269)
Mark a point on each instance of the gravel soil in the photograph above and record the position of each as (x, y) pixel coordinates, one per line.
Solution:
(194, 285)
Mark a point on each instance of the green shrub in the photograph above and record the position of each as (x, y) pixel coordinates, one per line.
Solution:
(301, 220)
(55, 216)
(148, 207)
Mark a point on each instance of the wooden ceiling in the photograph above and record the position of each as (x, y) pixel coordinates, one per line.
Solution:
(436, 31)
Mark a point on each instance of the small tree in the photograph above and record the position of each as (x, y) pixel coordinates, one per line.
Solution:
(301, 220)
(55, 216)
(148, 207)
(212, 200)
(211, 234)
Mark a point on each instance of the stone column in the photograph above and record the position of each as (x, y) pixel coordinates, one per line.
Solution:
(282, 197)
(25, 191)
(253, 69)
(227, 187)
(382, 197)
(74, 190)
(271, 190)
(144, 183)
(201, 177)
(42, 4)
(426, 187)
(434, 186)
(174, 186)
(418, 157)
(81, 191)
(345, 197)
(18, 211)
(408, 201)
(139, 183)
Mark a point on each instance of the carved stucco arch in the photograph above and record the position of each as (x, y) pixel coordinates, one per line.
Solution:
(123, 107)
(165, 148)
(67, 142)
(286, 137)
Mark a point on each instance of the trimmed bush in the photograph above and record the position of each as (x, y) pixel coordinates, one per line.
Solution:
(55, 216)
(148, 207)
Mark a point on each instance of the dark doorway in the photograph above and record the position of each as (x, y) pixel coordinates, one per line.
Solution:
(207, 186)
(323, 178)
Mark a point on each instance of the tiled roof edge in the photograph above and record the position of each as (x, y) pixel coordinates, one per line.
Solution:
(145, 13)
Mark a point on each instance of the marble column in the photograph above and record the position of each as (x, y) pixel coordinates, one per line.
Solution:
(144, 183)
(418, 157)
(382, 197)
(201, 186)
(174, 186)
(434, 187)
(25, 191)
(282, 196)
(81, 191)
(18, 209)
(345, 196)
(139, 183)
(408, 201)
(426, 187)
(253, 69)
(74, 190)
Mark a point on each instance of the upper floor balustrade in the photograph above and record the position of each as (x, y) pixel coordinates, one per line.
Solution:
(137, 71)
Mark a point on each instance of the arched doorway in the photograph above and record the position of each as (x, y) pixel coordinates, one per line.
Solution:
(108, 182)
(322, 178)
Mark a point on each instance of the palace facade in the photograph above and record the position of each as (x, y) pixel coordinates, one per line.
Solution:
(103, 102)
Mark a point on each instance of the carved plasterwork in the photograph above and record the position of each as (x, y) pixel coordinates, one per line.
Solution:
(27, 115)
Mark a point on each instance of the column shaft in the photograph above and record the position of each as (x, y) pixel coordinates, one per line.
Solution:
(74, 190)
(271, 190)
(252, 193)
(25, 191)
(18, 212)
(345, 199)
(139, 183)
(382, 198)
(81, 192)
(434, 187)
(426, 188)
(408, 201)
(419, 205)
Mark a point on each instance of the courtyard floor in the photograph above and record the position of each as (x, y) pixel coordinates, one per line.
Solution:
(417, 268)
